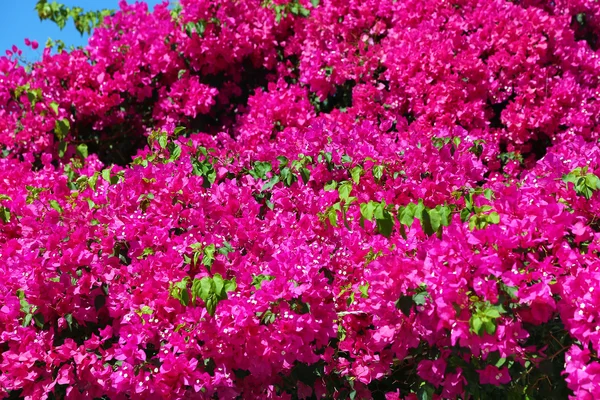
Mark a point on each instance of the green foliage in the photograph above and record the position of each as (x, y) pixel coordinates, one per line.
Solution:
(33, 193)
(584, 183)
(378, 172)
(29, 311)
(479, 217)
(383, 219)
(439, 143)
(291, 8)
(257, 280)
(60, 14)
(356, 173)
(82, 150)
(212, 290)
(364, 290)
(5, 214)
(484, 317)
(261, 169)
(205, 255)
(202, 165)
(56, 206)
(110, 178)
(416, 297)
(195, 27)
(61, 128)
(179, 291)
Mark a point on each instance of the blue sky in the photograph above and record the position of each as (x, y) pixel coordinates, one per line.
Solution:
(19, 20)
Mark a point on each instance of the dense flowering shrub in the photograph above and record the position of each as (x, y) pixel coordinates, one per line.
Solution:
(305, 199)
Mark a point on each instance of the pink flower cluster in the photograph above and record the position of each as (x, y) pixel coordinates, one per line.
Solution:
(305, 199)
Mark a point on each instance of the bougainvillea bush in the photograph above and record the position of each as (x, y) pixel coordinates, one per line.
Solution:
(334, 199)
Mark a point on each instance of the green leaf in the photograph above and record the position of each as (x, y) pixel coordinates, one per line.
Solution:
(225, 248)
(55, 205)
(344, 190)
(5, 214)
(420, 298)
(61, 128)
(402, 230)
(287, 177)
(39, 320)
(206, 288)
(435, 219)
(367, 210)
(230, 285)
(491, 313)
(211, 304)
(476, 325)
(266, 318)
(305, 174)
(419, 208)
(464, 214)
(219, 284)
(510, 290)
(106, 175)
(283, 161)
(62, 148)
(180, 292)
(356, 172)
(27, 319)
(212, 290)
(488, 194)
(269, 185)
(384, 220)
(474, 222)
(196, 289)
(406, 215)
(204, 169)
(425, 391)
(445, 215)
(209, 255)
(162, 141)
(148, 251)
(260, 170)
(257, 280)
(378, 172)
(185, 297)
(69, 319)
(493, 218)
(592, 181)
(54, 107)
(92, 180)
(405, 304)
(350, 299)
(82, 150)
(174, 151)
(426, 223)
(364, 290)
(489, 326)
(330, 186)
(332, 216)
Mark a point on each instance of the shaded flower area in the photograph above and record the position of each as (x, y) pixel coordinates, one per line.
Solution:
(272, 199)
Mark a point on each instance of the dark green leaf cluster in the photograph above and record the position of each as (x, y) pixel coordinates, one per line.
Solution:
(209, 289)
(584, 183)
(58, 13)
